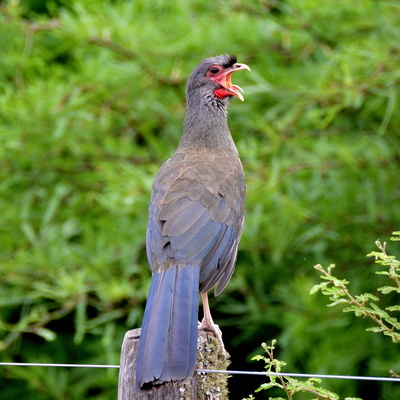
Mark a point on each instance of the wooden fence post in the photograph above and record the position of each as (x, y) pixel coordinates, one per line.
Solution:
(202, 386)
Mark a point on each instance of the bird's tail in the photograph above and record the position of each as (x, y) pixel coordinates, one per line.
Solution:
(168, 340)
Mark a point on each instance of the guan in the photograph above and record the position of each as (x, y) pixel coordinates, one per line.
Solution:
(196, 216)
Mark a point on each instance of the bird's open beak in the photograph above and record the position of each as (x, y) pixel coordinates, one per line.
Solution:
(225, 80)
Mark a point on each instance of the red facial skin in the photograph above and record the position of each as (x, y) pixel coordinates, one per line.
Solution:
(222, 76)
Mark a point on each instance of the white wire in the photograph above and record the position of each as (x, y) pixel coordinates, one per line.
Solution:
(361, 378)
(233, 372)
(10, 364)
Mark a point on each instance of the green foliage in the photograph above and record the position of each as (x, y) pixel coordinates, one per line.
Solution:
(92, 102)
(289, 385)
(365, 305)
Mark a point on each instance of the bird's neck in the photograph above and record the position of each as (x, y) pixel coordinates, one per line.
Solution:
(206, 128)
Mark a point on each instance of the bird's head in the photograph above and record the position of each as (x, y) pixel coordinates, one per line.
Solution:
(212, 78)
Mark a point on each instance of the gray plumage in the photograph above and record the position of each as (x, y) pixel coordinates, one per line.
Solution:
(195, 222)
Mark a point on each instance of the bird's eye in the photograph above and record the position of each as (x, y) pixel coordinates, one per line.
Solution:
(214, 70)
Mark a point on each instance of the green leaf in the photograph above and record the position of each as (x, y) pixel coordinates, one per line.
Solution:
(46, 334)
(265, 386)
(393, 308)
(389, 289)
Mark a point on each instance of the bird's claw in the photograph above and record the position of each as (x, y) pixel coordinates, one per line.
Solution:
(207, 325)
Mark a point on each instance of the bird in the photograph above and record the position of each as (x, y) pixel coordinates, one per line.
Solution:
(195, 222)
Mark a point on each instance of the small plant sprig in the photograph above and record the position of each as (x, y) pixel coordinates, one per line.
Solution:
(289, 385)
(364, 305)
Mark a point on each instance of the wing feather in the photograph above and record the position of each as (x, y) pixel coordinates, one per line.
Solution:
(195, 219)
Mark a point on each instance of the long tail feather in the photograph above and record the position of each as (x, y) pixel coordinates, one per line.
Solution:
(168, 340)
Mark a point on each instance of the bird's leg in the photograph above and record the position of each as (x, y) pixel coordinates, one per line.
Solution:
(208, 324)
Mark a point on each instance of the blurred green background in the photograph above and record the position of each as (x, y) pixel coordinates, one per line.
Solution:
(92, 98)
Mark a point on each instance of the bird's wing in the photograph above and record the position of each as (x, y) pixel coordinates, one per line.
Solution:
(195, 221)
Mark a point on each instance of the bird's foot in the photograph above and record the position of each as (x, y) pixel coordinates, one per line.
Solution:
(209, 325)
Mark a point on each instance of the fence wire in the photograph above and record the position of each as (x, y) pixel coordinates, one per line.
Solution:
(230, 372)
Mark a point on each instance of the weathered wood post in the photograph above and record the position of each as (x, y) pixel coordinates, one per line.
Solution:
(207, 386)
